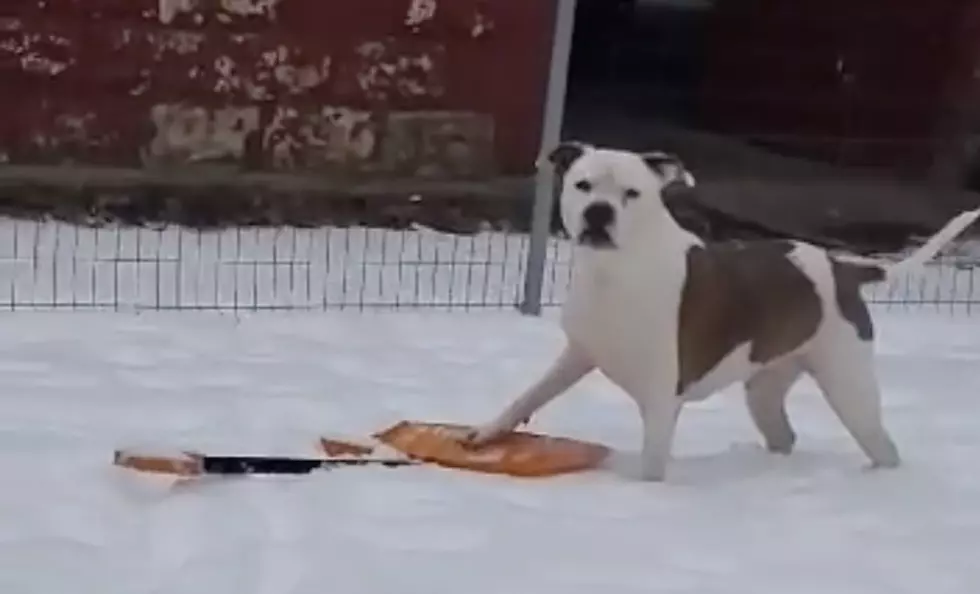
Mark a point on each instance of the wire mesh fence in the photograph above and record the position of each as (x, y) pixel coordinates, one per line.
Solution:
(53, 265)
(951, 282)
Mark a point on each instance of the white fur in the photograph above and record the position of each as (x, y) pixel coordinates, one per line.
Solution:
(926, 252)
(621, 317)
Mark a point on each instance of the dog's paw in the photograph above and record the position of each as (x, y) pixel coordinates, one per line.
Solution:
(481, 436)
(651, 476)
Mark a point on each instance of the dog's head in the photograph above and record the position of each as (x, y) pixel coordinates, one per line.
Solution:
(610, 197)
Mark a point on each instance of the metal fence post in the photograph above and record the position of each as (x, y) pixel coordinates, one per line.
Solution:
(554, 112)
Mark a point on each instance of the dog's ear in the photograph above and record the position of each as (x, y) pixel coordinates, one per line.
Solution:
(564, 154)
(669, 167)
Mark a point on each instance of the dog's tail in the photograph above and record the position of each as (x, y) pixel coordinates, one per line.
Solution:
(926, 252)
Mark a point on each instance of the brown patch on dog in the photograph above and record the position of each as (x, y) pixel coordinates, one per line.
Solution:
(848, 278)
(737, 293)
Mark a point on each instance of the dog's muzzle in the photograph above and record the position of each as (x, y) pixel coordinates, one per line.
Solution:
(596, 220)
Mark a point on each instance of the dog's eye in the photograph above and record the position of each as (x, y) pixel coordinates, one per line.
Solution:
(631, 193)
(583, 185)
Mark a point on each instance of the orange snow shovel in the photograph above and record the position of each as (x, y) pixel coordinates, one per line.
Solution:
(516, 454)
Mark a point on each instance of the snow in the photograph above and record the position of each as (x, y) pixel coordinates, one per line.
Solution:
(80, 384)
(731, 518)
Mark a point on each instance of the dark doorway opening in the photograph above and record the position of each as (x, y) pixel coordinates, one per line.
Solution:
(634, 69)
(811, 119)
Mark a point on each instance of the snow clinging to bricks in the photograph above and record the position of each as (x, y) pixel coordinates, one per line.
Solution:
(36, 52)
(419, 12)
(167, 10)
(331, 135)
(272, 68)
(197, 134)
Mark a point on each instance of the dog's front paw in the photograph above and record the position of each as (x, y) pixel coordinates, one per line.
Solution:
(652, 472)
(481, 436)
(652, 476)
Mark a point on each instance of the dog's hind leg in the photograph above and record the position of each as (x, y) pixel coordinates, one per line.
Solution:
(765, 396)
(844, 370)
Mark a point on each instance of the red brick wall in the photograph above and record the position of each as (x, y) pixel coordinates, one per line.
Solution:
(380, 87)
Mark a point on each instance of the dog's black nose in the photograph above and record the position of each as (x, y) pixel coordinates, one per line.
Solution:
(598, 215)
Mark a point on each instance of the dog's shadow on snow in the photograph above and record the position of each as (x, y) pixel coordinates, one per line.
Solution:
(741, 462)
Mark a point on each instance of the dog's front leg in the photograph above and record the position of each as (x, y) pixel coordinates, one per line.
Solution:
(571, 365)
(660, 412)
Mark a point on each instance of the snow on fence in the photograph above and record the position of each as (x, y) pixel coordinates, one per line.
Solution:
(53, 265)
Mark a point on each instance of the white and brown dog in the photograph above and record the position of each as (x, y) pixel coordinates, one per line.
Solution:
(671, 319)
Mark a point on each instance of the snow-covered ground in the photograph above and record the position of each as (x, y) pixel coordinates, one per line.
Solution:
(732, 518)
(79, 384)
